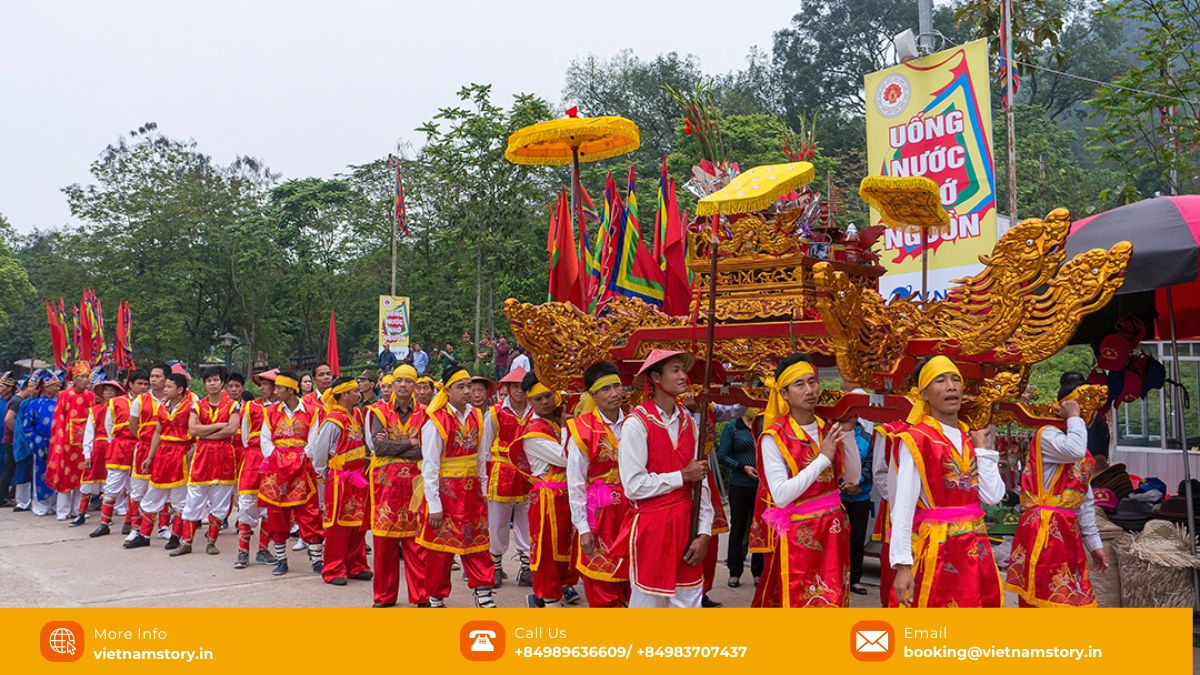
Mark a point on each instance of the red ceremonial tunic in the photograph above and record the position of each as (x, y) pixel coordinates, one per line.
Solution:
(1048, 564)
(883, 520)
(605, 497)
(249, 473)
(288, 478)
(65, 463)
(346, 483)
(99, 466)
(550, 508)
(656, 532)
(313, 402)
(810, 565)
(120, 450)
(464, 525)
(506, 483)
(214, 462)
(394, 481)
(98, 470)
(169, 468)
(953, 564)
(145, 432)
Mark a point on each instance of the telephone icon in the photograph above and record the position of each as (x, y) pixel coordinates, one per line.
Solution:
(482, 640)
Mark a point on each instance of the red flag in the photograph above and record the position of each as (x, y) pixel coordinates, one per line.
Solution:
(85, 333)
(57, 336)
(331, 353)
(565, 282)
(677, 293)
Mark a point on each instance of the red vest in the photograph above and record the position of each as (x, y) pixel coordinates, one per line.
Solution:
(169, 468)
(605, 496)
(506, 483)
(464, 528)
(213, 461)
(288, 478)
(120, 451)
(346, 484)
(393, 479)
(802, 451)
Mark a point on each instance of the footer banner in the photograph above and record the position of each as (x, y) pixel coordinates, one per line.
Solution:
(1009, 641)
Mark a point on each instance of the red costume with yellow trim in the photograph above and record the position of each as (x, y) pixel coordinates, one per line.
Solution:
(97, 471)
(395, 507)
(148, 416)
(809, 564)
(346, 497)
(953, 564)
(883, 521)
(605, 578)
(120, 450)
(213, 460)
(65, 463)
(249, 473)
(506, 483)
(464, 529)
(550, 539)
(656, 530)
(288, 478)
(170, 465)
(1048, 564)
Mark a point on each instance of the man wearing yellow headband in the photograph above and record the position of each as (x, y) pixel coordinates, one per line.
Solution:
(658, 460)
(598, 503)
(394, 438)
(455, 515)
(802, 461)
(249, 475)
(339, 457)
(507, 489)
(1046, 570)
(288, 485)
(940, 482)
(539, 452)
(424, 390)
(64, 464)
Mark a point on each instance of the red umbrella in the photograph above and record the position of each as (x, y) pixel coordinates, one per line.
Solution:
(1165, 233)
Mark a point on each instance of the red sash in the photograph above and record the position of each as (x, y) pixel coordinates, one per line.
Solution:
(346, 483)
(394, 481)
(1048, 564)
(606, 503)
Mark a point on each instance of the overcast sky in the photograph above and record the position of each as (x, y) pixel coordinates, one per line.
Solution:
(309, 86)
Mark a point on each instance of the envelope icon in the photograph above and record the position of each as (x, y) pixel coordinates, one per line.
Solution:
(871, 641)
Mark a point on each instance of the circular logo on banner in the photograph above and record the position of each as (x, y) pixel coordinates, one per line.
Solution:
(893, 94)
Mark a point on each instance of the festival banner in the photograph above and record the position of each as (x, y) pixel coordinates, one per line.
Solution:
(932, 117)
(393, 323)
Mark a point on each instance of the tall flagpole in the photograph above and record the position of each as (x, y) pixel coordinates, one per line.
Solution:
(393, 163)
(1008, 114)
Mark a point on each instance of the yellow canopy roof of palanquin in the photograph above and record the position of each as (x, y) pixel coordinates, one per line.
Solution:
(905, 201)
(756, 189)
(552, 143)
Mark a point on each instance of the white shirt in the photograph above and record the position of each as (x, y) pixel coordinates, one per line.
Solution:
(1060, 448)
(543, 454)
(881, 472)
(135, 407)
(907, 488)
(639, 483)
(265, 440)
(785, 490)
(577, 474)
(89, 437)
(431, 459)
(489, 427)
(522, 362)
(323, 446)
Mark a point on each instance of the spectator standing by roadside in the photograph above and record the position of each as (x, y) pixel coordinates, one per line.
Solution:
(448, 357)
(521, 360)
(501, 357)
(857, 501)
(737, 454)
(420, 358)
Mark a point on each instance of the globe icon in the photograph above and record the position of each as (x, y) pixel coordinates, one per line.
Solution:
(62, 641)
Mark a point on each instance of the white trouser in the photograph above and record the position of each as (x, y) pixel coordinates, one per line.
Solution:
(91, 488)
(684, 597)
(249, 510)
(157, 498)
(25, 500)
(205, 500)
(65, 503)
(500, 514)
(138, 488)
(116, 482)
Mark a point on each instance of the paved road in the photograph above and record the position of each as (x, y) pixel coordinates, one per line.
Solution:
(44, 563)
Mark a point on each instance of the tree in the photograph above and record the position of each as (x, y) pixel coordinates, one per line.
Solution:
(15, 289)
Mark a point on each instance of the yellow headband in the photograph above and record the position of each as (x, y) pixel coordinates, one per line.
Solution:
(287, 383)
(935, 368)
(440, 399)
(606, 381)
(586, 403)
(331, 394)
(427, 380)
(407, 372)
(539, 389)
(777, 408)
(387, 379)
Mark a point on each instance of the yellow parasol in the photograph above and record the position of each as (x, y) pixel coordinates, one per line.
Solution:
(756, 189)
(572, 141)
(907, 202)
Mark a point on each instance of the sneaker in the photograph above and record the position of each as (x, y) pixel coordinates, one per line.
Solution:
(570, 595)
(264, 557)
(138, 541)
(294, 533)
(281, 568)
(533, 602)
(317, 566)
(365, 575)
(61, 518)
(164, 533)
(454, 565)
(299, 545)
(100, 531)
(497, 578)
(125, 529)
(437, 603)
(180, 549)
(130, 536)
(337, 581)
(173, 543)
(211, 548)
(525, 576)
(242, 560)
(20, 509)
(79, 520)
(484, 600)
